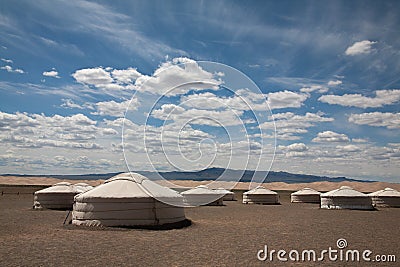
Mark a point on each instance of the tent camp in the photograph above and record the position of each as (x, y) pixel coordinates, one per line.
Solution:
(305, 195)
(387, 198)
(260, 195)
(83, 187)
(128, 200)
(60, 196)
(228, 195)
(345, 198)
(201, 196)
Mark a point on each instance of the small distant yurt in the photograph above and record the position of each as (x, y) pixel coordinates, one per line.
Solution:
(83, 187)
(346, 198)
(386, 198)
(305, 195)
(128, 200)
(60, 196)
(260, 195)
(202, 196)
(228, 195)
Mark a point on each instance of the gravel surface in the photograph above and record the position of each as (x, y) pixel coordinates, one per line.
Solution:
(230, 235)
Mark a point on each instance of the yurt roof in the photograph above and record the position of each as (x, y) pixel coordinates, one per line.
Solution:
(344, 191)
(81, 184)
(129, 185)
(62, 187)
(200, 190)
(387, 192)
(306, 191)
(222, 191)
(260, 190)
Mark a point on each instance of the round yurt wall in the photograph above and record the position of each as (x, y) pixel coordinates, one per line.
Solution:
(202, 196)
(60, 196)
(346, 198)
(129, 200)
(260, 195)
(306, 195)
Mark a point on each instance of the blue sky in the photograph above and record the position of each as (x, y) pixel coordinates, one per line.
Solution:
(329, 71)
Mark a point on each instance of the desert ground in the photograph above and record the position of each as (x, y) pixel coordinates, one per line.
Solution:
(229, 235)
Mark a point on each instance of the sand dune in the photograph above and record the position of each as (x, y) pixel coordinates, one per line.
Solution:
(321, 186)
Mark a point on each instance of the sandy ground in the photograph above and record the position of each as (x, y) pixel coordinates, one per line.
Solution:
(321, 186)
(230, 235)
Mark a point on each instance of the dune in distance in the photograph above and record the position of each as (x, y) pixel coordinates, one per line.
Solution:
(320, 186)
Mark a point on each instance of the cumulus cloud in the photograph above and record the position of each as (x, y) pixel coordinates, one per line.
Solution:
(126, 76)
(349, 148)
(37, 130)
(383, 97)
(114, 109)
(181, 116)
(312, 88)
(329, 136)
(285, 99)
(10, 69)
(378, 119)
(335, 83)
(289, 125)
(298, 147)
(362, 47)
(178, 77)
(51, 73)
(9, 61)
(95, 76)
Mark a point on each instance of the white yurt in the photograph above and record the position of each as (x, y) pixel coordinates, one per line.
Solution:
(202, 196)
(60, 196)
(346, 198)
(228, 195)
(128, 200)
(305, 195)
(83, 187)
(387, 197)
(260, 195)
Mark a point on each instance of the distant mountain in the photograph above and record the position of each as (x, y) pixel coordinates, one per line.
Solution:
(213, 174)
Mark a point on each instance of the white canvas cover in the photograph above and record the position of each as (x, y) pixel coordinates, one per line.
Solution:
(60, 196)
(387, 197)
(260, 195)
(305, 195)
(83, 187)
(345, 198)
(128, 199)
(228, 195)
(202, 195)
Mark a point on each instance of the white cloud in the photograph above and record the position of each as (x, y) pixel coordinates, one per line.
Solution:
(7, 60)
(383, 97)
(51, 73)
(38, 130)
(335, 83)
(290, 125)
(285, 99)
(178, 77)
(126, 76)
(378, 119)
(298, 147)
(349, 148)
(362, 47)
(181, 116)
(114, 109)
(68, 103)
(312, 88)
(95, 76)
(12, 70)
(329, 136)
